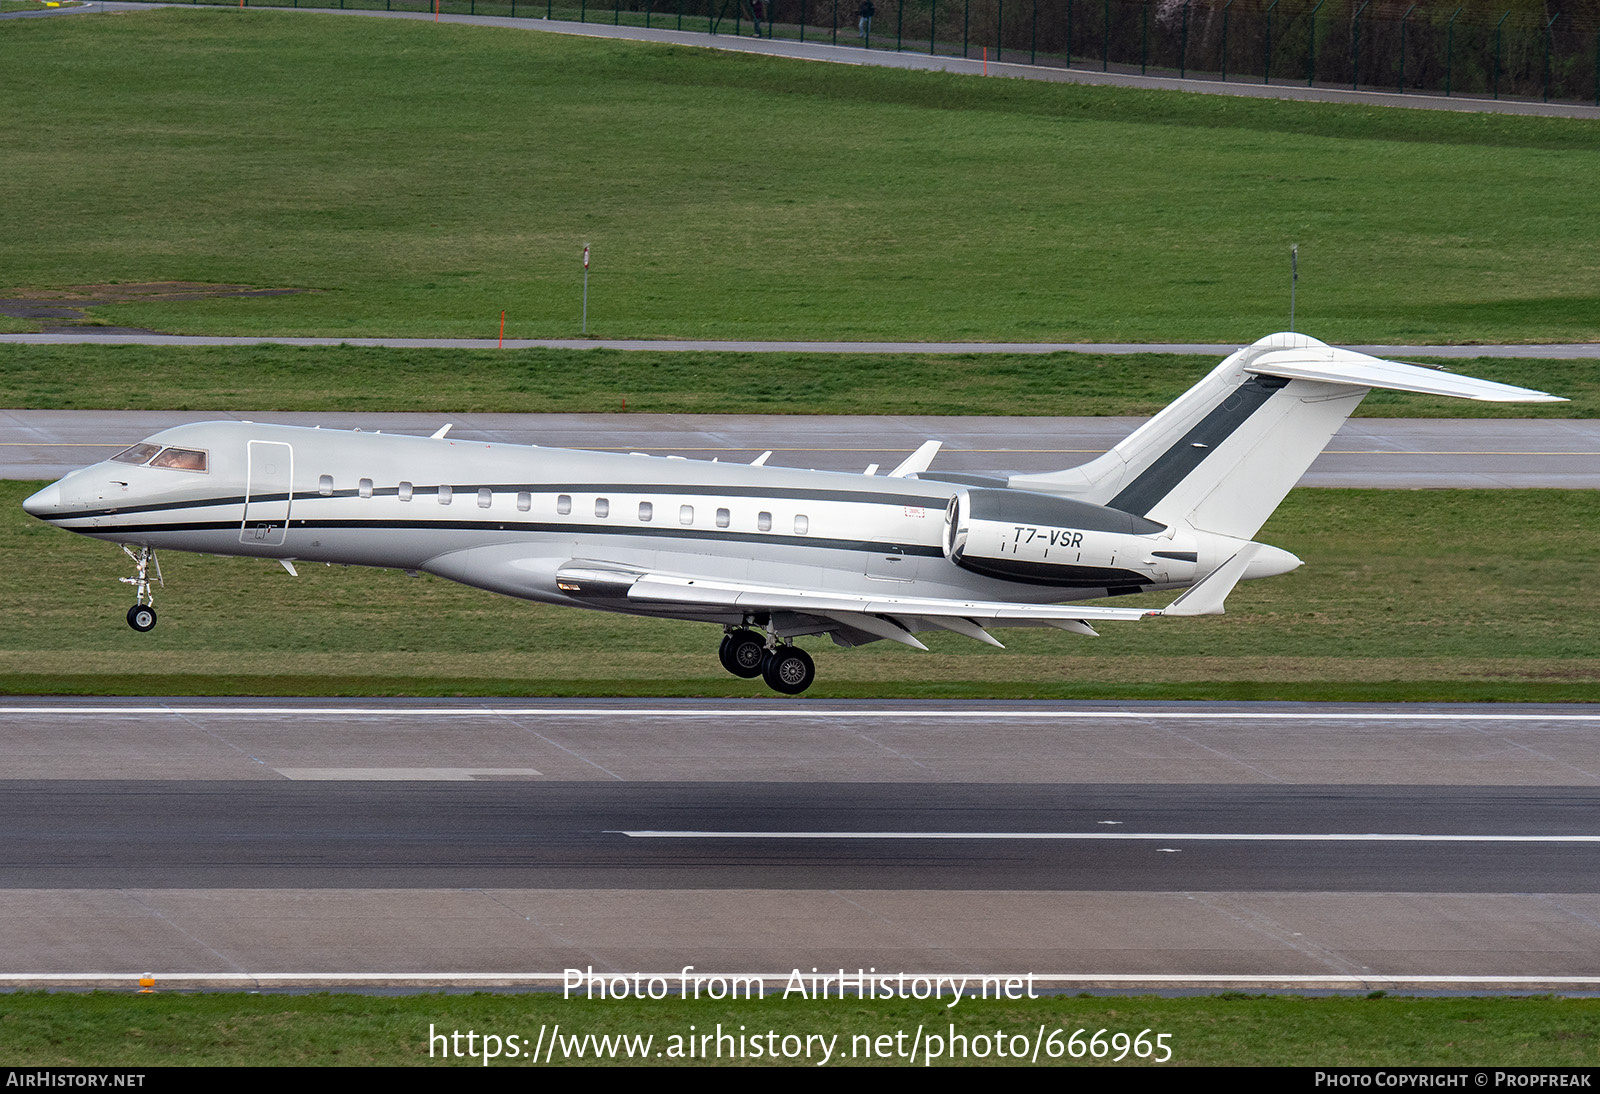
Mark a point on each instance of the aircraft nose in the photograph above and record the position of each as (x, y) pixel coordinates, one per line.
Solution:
(45, 502)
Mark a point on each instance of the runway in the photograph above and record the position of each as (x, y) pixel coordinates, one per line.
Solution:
(1391, 453)
(1095, 843)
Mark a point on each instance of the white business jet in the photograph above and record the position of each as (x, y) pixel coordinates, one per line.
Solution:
(772, 554)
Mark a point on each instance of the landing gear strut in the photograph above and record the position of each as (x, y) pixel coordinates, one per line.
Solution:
(142, 616)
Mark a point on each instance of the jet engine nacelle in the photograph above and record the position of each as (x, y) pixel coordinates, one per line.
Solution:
(1047, 540)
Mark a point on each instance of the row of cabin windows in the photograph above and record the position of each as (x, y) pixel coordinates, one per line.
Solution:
(602, 506)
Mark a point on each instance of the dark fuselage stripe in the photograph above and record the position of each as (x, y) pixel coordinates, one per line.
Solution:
(866, 497)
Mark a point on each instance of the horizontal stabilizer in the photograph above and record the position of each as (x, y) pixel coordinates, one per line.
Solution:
(1328, 365)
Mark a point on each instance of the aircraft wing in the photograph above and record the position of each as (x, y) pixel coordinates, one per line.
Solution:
(888, 616)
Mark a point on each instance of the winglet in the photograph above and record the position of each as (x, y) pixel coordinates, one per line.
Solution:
(918, 461)
(1207, 596)
(438, 434)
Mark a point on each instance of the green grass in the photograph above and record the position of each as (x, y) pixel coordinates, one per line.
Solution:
(130, 1031)
(350, 378)
(1405, 595)
(420, 178)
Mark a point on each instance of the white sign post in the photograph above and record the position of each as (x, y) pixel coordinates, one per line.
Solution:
(585, 288)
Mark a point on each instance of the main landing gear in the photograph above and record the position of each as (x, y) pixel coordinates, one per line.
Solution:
(785, 668)
(142, 616)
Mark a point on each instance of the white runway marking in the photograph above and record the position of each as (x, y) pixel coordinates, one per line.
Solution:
(799, 711)
(1167, 837)
(404, 774)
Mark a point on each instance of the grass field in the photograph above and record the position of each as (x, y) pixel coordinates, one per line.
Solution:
(351, 378)
(417, 179)
(1428, 595)
(131, 1031)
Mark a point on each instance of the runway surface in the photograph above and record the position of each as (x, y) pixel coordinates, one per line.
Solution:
(383, 842)
(1397, 453)
(856, 55)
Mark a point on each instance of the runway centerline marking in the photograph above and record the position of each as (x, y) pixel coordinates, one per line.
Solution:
(1167, 837)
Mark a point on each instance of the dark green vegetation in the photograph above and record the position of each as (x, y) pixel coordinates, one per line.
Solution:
(420, 178)
(107, 1029)
(351, 378)
(1425, 595)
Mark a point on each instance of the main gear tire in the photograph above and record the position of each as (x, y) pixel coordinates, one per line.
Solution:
(788, 669)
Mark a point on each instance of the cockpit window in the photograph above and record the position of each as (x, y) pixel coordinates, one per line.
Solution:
(181, 459)
(139, 453)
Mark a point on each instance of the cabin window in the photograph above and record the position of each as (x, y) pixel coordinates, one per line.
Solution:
(485, 497)
(646, 510)
(325, 486)
(445, 494)
(181, 459)
(801, 524)
(563, 503)
(139, 453)
(764, 522)
(685, 514)
(724, 518)
(364, 488)
(404, 492)
(525, 502)
(602, 507)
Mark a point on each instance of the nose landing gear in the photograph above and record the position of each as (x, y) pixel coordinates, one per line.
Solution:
(142, 616)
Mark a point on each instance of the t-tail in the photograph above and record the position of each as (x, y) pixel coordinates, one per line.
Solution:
(1221, 458)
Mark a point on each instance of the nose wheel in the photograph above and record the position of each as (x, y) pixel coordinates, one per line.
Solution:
(142, 616)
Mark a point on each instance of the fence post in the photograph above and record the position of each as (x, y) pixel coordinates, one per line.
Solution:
(999, 29)
(1311, 49)
(933, 21)
(616, 13)
(899, 26)
(583, 11)
(966, 26)
(1403, 18)
(1355, 46)
(680, 14)
(802, 20)
(1547, 37)
(1266, 58)
(1105, 43)
(1144, 36)
(1033, 46)
(1225, 8)
(1069, 44)
(1183, 49)
(1597, 68)
(1497, 27)
(835, 22)
(1449, 50)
